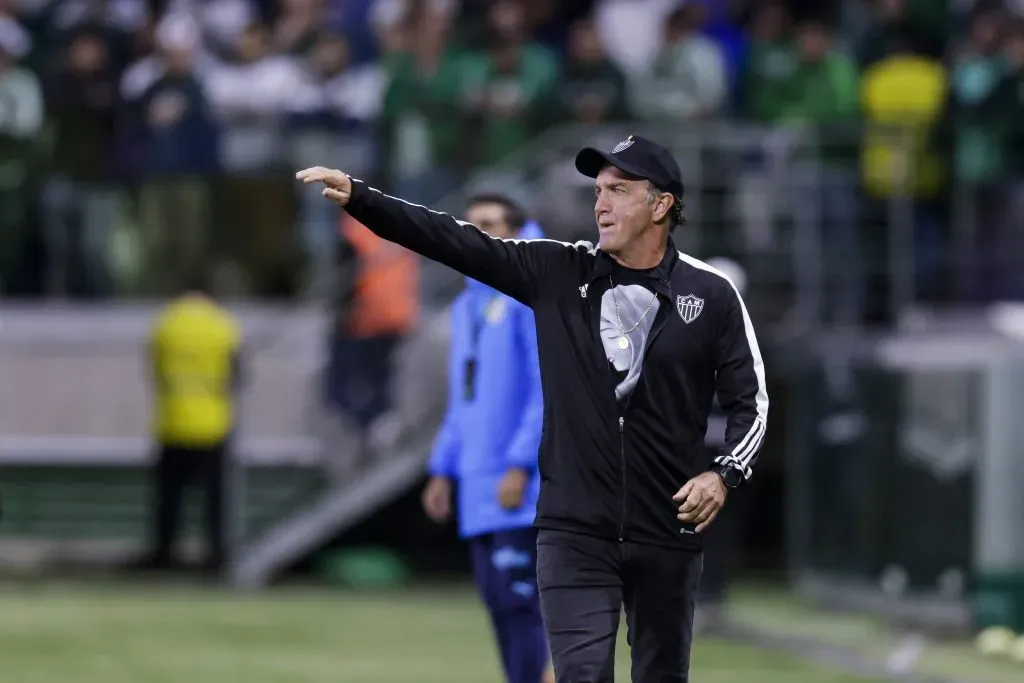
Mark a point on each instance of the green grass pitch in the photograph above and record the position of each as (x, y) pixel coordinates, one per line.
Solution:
(167, 634)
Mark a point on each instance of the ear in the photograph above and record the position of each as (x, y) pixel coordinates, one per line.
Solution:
(662, 206)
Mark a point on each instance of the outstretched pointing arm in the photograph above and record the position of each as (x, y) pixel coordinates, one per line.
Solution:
(513, 267)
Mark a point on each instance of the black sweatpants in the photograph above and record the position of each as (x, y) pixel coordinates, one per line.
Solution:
(584, 582)
(176, 469)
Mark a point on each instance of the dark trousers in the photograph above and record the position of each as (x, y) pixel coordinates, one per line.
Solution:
(176, 469)
(505, 569)
(721, 549)
(585, 581)
(358, 376)
(718, 557)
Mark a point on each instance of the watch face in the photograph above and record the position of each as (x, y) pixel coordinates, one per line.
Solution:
(731, 477)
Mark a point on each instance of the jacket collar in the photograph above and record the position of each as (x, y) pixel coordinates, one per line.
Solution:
(660, 276)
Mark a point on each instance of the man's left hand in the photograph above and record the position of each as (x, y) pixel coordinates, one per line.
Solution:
(701, 499)
(512, 489)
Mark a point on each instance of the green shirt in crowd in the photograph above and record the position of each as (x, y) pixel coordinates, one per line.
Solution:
(421, 113)
(514, 115)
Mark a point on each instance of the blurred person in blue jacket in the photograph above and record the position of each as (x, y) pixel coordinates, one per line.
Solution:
(487, 450)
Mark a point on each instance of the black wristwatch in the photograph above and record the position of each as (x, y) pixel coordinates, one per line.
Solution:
(731, 477)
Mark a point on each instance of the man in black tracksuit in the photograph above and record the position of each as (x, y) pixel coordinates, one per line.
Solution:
(634, 339)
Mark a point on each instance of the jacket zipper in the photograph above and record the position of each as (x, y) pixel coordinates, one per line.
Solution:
(655, 331)
(622, 461)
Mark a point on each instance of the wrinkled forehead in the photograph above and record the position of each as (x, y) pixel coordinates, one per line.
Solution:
(610, 174)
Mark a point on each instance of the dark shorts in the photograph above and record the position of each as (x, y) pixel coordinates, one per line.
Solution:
(584, 582)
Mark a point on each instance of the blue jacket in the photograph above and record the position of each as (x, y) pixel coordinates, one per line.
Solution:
(480, 440)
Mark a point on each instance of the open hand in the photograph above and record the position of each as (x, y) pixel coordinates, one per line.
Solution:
(701, 499)
(337, 184)
(437, 499)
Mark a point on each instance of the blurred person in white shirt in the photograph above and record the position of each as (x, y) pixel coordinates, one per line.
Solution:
(176, 158)
(688, 78)
(222, 21)
(250, 96)
(333, 110)
(631, 30)
(174, 33)
(125, 15)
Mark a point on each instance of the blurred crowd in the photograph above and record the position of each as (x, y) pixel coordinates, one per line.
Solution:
(142, 141)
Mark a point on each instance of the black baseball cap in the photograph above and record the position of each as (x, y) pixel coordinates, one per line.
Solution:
(638, 157)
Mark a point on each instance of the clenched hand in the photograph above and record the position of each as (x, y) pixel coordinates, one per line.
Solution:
(701, 499)
(337, 184)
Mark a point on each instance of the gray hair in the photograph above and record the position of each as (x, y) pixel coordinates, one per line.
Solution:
(676, 217)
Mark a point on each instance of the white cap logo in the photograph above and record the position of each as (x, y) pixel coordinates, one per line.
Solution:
(625, 144)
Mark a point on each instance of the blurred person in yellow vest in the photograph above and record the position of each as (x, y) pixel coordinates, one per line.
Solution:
(194, 355)
(903, 98)
(376, 305)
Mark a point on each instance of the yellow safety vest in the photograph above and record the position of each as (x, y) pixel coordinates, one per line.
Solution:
(194, 348)
(903, 99)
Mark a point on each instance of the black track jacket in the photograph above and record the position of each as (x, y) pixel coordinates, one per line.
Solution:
(609, 468)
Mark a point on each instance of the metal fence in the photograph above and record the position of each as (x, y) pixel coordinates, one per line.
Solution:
(75, 444)
(75, 428)
(830, 231)
(902, 471)
(835, 225)
(820, 248)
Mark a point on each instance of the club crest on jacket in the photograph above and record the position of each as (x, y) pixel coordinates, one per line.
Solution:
(689, 307)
